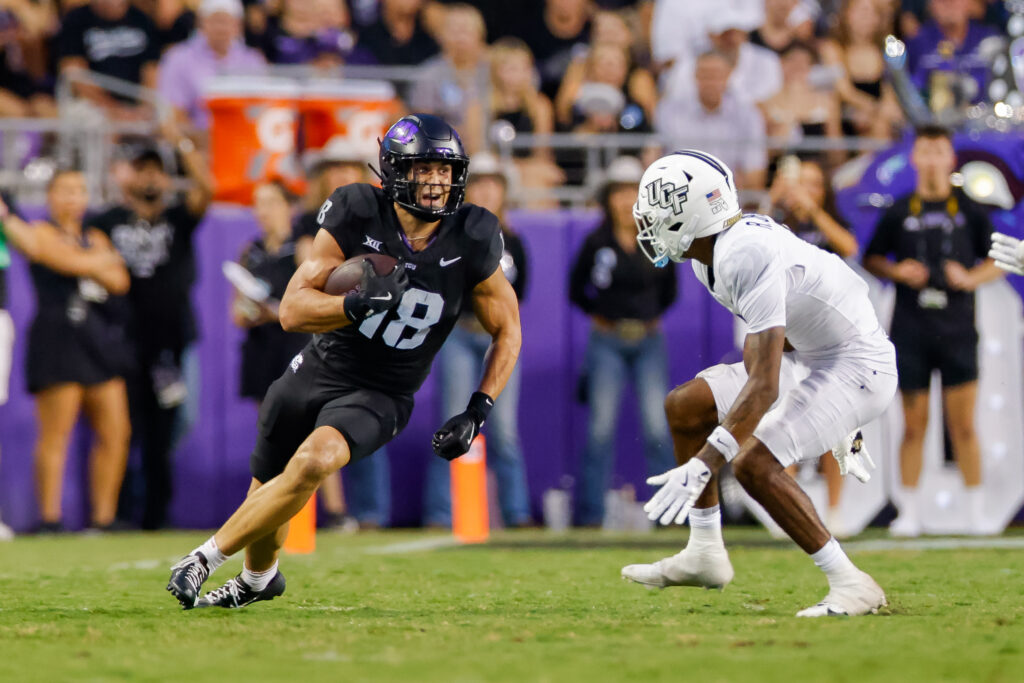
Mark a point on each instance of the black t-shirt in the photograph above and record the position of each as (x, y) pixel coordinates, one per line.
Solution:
(376, 45)
(115, 48)
(161, 260)
(392, 352)
(933, 233)
(615, 284)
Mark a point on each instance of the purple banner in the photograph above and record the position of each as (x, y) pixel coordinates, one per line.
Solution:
(211, 472)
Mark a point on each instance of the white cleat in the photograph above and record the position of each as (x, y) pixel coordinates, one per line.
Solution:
(704, 569)
(861, 595)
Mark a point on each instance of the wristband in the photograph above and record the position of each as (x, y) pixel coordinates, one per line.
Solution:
(479, 407)
(724, 442)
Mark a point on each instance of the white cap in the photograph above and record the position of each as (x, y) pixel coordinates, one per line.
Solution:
(731, 18)
(485, 163)
(232, 7)
(341, 151)
(600, 98)
(624, 170)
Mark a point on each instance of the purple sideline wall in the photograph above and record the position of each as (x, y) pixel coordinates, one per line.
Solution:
(211, 472)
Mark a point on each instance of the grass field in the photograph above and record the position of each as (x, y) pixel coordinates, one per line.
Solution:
(526, 607)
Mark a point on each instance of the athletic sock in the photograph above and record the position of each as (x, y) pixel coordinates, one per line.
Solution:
(833, 561)
(214, 557)
(258, 580)
(705, 528)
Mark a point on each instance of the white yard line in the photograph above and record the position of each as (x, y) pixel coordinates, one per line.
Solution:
(415, 546)
(957, 543)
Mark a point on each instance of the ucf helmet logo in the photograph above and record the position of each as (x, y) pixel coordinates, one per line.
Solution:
(666, 195)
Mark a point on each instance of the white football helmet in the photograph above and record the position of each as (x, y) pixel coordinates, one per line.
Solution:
(683, 196)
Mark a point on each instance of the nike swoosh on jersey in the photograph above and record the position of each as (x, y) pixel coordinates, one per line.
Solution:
(382, 298)
(448, 262)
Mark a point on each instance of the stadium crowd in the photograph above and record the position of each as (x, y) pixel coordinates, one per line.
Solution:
(750, 81)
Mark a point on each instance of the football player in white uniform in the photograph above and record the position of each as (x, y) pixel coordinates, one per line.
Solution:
(816, 366)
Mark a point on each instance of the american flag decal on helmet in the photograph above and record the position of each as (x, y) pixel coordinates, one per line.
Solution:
(714, 195)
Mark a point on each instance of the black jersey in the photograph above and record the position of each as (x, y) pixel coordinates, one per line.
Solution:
(161, 260)
(391, 352)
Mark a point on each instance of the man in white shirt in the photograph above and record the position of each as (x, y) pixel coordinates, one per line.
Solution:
(756, 71)
(774, 409)
(728, 128)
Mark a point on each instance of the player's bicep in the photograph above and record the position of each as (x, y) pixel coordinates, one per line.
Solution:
(325, 255)
(495, 304)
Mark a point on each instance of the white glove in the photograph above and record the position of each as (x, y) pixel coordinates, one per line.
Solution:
(1008, 253)
(853, 457)
(680, 489)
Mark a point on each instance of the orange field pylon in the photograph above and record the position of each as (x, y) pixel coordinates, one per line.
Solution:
(470, 522)
(301, 538)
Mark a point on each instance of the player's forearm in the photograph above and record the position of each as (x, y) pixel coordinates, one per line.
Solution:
(750, 407)
(311, 311)
(501, 360)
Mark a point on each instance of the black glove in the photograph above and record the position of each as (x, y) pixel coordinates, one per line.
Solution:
(455, 436)
(376, 293)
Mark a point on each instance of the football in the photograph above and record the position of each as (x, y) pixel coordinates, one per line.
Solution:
(348, 275)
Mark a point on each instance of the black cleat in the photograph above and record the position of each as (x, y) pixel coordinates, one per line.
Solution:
(237, 593)
(187, 578)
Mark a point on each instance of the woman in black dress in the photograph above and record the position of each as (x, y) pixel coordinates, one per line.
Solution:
(76, 347)
(267, 348)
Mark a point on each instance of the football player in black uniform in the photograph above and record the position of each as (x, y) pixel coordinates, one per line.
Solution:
(351, 389)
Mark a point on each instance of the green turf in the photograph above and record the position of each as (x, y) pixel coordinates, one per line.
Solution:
(526, 608)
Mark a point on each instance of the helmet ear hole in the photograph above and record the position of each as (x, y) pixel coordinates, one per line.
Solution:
(675, 227)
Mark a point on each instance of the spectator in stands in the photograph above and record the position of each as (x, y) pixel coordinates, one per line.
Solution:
(518, 106)
(756, 73)
(717, 122)
(799, 109)
(779, 29)
(944, 59)
(76, 347)
(216, 48)
(624, 296)
(855, 49)
(939, 239)
(454, 85)
(608, 61)
(607, 68)
(338, 164)
(309, 32)
(462, 362)
(679, 33)
(801, 199)
(559, 34)
(111, 38)
(175, 19)
(618, 28)
(398, 36)
(154, 234)
(24, 87)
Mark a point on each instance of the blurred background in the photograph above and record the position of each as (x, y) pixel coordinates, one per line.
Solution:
(194, 135)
